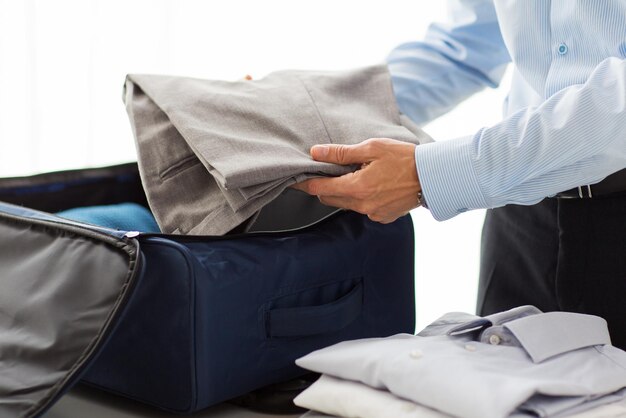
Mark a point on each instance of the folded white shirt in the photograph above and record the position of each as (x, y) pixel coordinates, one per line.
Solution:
(345, 398)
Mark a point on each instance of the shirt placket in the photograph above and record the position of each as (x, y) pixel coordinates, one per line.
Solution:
(559, 47)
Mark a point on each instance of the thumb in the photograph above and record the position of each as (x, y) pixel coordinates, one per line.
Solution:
(341, 154)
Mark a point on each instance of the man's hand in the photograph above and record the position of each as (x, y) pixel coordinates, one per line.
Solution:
(384, 188)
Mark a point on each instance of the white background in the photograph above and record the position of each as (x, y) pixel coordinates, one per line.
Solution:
(63, 62)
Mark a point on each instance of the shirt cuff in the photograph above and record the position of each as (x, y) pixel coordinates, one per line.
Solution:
(448, 179)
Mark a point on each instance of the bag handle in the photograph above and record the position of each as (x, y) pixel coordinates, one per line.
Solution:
(313, 320)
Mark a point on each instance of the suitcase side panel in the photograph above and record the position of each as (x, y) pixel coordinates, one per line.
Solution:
(321, 274)
(151, 356)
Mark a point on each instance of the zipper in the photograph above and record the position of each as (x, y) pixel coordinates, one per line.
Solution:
(10, 210)
(195, 238)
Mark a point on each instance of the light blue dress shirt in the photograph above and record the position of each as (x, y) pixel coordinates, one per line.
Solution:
(564, 119)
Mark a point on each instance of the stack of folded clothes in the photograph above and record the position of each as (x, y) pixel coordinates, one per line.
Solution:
(518, 363)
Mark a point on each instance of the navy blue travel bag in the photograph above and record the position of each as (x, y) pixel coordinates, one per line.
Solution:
(212, 318)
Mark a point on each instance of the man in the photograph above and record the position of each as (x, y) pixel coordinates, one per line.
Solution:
(546, 241)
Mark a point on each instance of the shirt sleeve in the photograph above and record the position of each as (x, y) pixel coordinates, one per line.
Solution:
(455, 60)
(575, 137)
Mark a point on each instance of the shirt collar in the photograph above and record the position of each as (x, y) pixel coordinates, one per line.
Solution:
(549, 334)
(541, 335)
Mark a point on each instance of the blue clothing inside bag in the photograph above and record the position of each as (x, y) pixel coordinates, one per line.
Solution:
(123, 216)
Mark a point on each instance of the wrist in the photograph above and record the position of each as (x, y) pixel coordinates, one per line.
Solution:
(421, 199)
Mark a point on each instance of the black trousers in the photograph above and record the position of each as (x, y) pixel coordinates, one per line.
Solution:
(561, 254)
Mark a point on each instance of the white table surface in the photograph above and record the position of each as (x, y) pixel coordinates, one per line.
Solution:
(83, 402)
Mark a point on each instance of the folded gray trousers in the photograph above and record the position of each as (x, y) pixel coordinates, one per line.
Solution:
(213, 153)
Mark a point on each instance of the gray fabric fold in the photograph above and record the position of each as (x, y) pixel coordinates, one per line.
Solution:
(213, 153)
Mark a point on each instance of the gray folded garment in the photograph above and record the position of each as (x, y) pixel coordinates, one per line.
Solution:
(213, 153)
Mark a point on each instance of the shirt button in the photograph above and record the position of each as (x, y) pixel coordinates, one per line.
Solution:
(415, 354)
(562, 49)
(494, 339)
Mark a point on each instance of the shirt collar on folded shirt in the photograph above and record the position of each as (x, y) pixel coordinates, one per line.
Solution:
(541, 335)
(458, 323)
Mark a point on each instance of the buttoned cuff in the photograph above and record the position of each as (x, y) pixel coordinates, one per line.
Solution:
(448, 179)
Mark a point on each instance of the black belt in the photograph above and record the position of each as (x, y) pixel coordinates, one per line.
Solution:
(615, 183)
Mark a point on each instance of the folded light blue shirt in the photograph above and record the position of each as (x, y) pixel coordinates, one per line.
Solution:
(517, 363)
(564, 119)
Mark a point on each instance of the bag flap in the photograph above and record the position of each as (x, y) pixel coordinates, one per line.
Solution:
(63, 288)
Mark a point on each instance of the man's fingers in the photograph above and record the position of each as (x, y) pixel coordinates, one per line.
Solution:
(310, 186)
(302, 186)
(387, 219)
(337, 202)
(342, 154)
(385, 187)
(327, 186)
